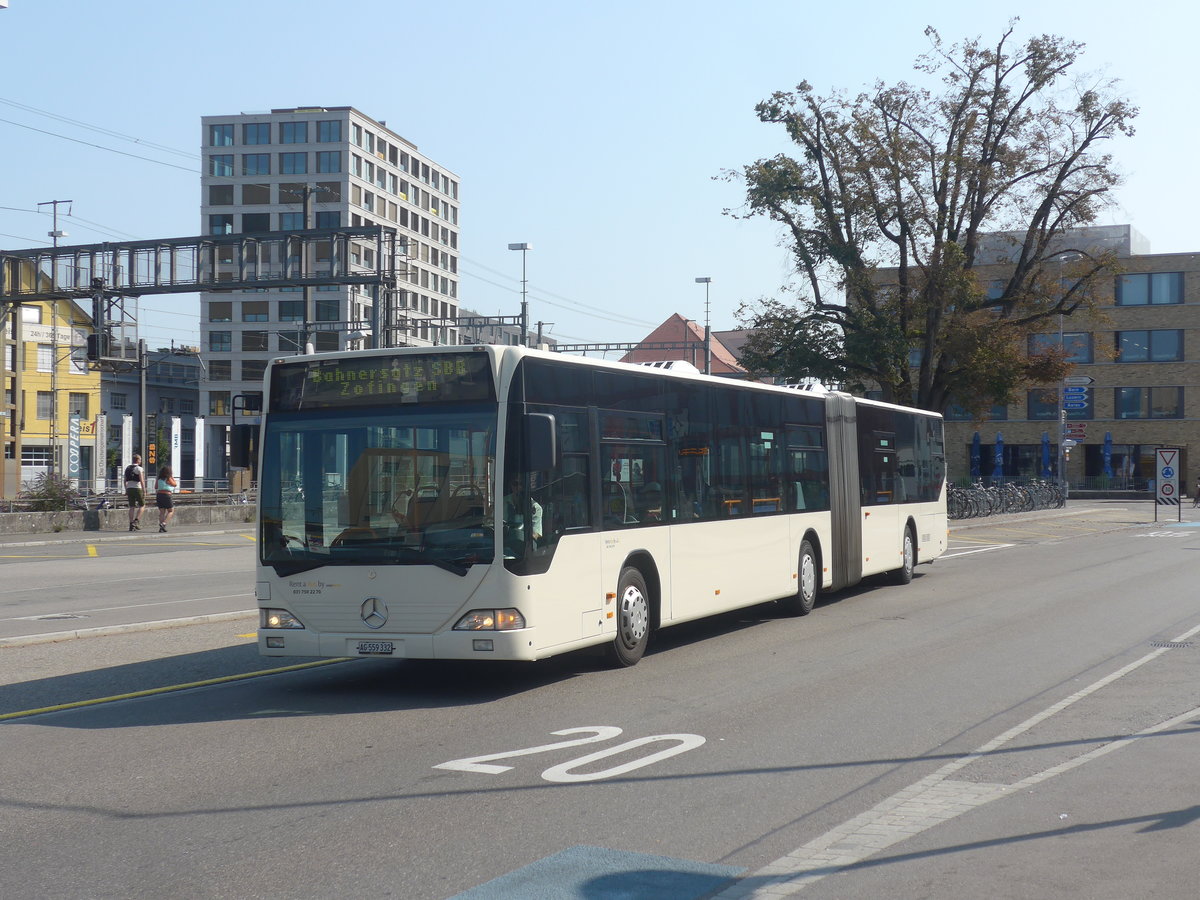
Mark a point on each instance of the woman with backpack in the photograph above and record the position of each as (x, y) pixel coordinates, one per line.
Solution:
(135, 491)
(164, 496)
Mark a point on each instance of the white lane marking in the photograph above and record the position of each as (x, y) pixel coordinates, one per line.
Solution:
(929, 802)
(976, 550)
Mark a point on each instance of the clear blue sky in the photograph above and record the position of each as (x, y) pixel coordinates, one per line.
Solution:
(593, 131)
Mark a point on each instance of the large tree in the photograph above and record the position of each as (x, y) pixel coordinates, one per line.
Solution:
(892, 201)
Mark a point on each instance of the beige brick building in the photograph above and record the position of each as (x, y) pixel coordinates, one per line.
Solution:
(1143, 362)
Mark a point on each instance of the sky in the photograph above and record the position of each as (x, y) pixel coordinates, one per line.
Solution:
(598, 133)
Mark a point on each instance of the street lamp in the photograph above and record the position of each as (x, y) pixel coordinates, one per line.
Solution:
(524, 248)
(706, 281)
(1062, 396)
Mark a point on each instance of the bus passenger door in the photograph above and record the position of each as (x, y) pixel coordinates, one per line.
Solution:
(881, 537)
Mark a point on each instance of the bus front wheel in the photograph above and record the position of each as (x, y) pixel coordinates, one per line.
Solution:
(633, 619)
(908, 554)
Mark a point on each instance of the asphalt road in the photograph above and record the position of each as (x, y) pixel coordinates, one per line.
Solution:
(1020, 721)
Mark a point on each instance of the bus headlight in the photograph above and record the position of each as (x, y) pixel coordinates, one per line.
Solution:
(277, 618)
(491, 620)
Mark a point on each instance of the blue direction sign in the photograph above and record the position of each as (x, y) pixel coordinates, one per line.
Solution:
(1075, 391)
(1075, 404)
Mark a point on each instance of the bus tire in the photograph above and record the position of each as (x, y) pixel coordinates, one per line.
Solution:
(908, 553)
(808, 584)
(633, 619)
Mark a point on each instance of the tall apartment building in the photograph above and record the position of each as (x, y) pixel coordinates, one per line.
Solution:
(356, 171)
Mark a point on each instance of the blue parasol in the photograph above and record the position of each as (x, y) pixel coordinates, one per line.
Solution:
(1046, 472)
(998, 458)
(1108, 454)
(975, 456)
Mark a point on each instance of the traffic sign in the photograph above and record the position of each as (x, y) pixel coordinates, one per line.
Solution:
(1068, 444)
(1166, 484)
(1075, 391)
(1075, 404)
(1079, 379)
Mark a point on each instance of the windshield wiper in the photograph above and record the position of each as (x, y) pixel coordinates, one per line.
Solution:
(284, 569)
(420, 556)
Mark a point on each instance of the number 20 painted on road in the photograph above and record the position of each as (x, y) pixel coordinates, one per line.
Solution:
(564, 773)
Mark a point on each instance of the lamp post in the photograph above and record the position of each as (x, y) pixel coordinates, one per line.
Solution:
(1062, 396)
(706, 281)
(524, 248)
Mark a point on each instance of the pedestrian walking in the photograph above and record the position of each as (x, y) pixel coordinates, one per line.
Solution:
(164, 496)
(1196, 494)
(135, 491)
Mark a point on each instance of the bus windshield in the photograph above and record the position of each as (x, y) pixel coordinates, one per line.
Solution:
(379, 486)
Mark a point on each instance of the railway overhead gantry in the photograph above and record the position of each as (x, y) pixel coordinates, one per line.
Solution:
(111, 275)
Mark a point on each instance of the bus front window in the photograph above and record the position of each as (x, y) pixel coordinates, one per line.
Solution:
(412, 487)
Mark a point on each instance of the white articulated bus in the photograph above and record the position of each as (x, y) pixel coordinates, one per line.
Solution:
(503, 503)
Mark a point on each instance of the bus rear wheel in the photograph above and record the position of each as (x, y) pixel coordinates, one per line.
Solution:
(808, 584)
(908, 553)
(633, 619)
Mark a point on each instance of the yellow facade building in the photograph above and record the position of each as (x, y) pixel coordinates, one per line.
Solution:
(52, 396)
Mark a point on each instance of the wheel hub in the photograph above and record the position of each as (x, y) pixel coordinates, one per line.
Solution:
(635, 616)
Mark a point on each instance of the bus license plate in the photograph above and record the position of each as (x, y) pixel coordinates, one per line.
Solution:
(376, 648)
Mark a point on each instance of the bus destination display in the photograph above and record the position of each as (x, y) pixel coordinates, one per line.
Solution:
(375, 380)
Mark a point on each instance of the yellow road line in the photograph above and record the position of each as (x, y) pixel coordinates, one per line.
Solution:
(252, 634)
(79, 704)
(92, 550)
(32, 556)
(248, 537)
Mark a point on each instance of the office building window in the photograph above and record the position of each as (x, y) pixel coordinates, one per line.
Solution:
(256, 133)
(220, 370)
(255, 310)
(45, 357)
(220, 135)
(220, 164)
(329, 219)
(220, 223)
(325, 340)
(291, 221)
(1150, 288)
(329, 132)
(293, 163)
(220, 341)
(291, 310)
(256, 163)
(77, 404)
(326, 310)
(187, 407)
(45, 404)
(1076, 345)
(289, 341)
(118, 401)
(293, 132)
(1043, 406)
(1162, 345)
(218, 403)
(253, 341)
(220, 195)
(329, 161)
(254, 369)
(256, 194)
(256, 222)
(220, 311)
(1148, 403)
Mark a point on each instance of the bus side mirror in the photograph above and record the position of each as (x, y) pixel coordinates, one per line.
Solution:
(541, 445)
(240, 440)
